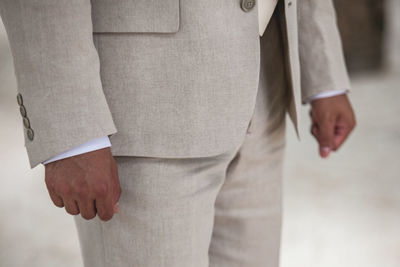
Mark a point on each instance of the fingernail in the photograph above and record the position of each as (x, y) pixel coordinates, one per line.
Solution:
(116, 207)
(325, 151)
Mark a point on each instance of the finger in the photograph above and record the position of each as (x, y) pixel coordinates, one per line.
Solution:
(341, 134)
(57, 200)
(325, 137)
(314, 130)
(71, 206)
(86, 208)
(105, 208)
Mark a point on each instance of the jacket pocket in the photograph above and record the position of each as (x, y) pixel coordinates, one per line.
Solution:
(159, 16)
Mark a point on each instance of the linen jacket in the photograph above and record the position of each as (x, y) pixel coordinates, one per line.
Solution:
(163, 78)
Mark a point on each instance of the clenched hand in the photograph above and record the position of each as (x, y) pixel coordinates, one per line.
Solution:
(87, 184)
(332, 121)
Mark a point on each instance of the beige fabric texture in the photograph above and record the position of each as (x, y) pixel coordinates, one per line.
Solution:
(180, 83)
(217, 211)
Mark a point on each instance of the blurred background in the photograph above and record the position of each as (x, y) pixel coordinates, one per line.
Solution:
(344, 211)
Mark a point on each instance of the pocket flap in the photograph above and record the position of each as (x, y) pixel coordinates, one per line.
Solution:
(135, 15)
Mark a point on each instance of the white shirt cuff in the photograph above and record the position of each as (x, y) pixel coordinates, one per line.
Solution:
(92, 145)
(326, 94)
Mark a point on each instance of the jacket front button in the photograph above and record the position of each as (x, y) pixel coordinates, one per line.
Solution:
(247, 5)
(29, 133)
(19, 99)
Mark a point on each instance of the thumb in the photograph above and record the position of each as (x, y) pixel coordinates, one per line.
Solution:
(325, 138)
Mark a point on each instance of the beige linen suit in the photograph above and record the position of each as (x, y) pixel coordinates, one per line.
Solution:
(216, 211)
(170, 78)
(194, 103)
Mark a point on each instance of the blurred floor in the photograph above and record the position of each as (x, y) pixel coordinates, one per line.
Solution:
(338, 212)
(345, 211)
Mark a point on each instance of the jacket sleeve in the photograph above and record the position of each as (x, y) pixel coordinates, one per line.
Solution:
(57, 67)
(320, 48)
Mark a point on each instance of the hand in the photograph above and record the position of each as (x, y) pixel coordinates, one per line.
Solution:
(332, 121)
(86, 184)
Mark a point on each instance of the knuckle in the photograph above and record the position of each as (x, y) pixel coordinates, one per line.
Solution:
(58, 204)
(106, 217)
(313, 130)
(72, 211)
(89, 216)
(101, 189)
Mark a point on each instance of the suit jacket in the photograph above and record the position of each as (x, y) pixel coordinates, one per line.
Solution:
(163, 78)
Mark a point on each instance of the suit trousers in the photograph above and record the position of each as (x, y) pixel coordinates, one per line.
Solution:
(218, 211)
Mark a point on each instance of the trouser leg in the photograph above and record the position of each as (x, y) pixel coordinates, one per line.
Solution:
(166, 214)
(216, 211)
(248, 208)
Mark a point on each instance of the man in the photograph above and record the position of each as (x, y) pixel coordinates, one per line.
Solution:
(193, 96)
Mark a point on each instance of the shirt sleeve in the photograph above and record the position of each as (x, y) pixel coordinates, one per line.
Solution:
(94, 144)
(325, 94)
